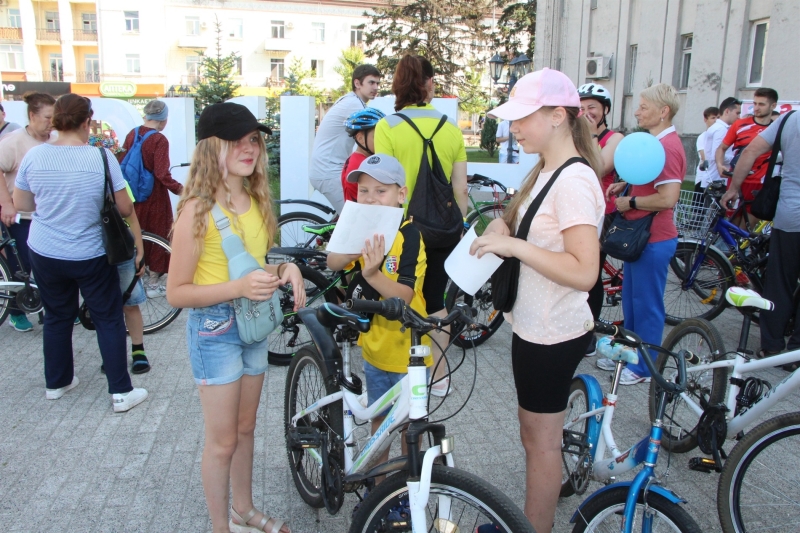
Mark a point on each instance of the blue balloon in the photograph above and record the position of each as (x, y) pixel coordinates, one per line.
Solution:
(639, 158)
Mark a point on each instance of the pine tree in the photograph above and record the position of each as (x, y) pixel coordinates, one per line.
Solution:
(297, 81)
(516, 28)
(216, 75)
(348, 61)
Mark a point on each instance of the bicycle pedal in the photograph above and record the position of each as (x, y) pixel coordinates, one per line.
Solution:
(704, 464)
(304, 437)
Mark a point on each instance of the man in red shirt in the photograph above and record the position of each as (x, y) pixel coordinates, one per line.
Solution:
(742, 132)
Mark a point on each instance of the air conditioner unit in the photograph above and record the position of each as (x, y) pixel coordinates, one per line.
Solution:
(598, 67)
(289, 26)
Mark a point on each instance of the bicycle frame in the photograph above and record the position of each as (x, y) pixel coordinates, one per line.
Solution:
(742, 365)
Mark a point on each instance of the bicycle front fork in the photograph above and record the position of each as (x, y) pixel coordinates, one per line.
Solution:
(419, 480)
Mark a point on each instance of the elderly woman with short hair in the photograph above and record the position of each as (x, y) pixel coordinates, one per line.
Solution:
(646, 278)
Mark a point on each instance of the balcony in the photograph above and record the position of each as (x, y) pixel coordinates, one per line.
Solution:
(90, 76)
(193, 41)
(85, 36)
(53, 75)
(278, 45)
(48, 35)
(11, 34)
(190, 79)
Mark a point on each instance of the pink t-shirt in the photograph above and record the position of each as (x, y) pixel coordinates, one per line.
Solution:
(663, 227)
(546, 312)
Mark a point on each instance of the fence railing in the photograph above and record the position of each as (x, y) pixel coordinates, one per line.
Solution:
(11, 33)
(48, 35)
(88, 76)
(84, 35)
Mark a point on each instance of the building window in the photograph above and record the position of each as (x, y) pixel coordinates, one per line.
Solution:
(686, 61)
(192, 25)
(132, 63)
(357, 35)
(193, 69)
(235, 28)
(631, 68)
(276, 69)
(14, 18)
(51, 21)
(278, 29)
(56, 67)
(11, 57)
(318, 31)
(758, 47)
(318, 68)
(92, 65)
(132, 21)
(237, 67)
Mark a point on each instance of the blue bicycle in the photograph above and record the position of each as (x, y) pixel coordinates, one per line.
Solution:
(589, 451)
(702, 269)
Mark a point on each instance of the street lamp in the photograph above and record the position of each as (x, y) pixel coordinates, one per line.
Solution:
(517, 68)
(171, 92)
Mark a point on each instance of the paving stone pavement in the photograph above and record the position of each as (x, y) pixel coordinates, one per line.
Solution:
(73, 465)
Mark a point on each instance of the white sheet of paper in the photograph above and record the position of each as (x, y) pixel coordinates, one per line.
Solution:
(359, 222)
(467, 271)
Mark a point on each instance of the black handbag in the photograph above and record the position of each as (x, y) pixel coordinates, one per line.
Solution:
(505, 280)
(433, 204)
(117, 236)
(766, 201)
(626, 239)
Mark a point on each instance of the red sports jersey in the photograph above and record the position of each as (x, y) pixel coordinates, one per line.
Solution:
(742, 133)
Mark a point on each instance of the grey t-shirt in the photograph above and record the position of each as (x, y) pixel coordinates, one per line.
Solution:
(332, 145)
(786, 216)
(9, 127)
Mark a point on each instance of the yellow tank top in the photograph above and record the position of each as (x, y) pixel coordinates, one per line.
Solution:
(212, 267)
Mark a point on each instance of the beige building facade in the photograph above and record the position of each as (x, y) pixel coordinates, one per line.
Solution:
(707, 49)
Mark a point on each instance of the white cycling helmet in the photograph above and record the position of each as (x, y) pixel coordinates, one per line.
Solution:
(595, 92)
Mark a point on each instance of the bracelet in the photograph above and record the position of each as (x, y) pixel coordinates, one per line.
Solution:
(632, 202)
(279, 268)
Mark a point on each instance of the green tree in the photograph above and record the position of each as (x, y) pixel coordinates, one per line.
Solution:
(516, 27)
(489, 136)
(445, 32)
(473, 96)
(216, 83)
(348, 61)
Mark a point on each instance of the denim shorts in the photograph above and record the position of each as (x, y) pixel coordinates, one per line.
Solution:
(216, 353)
(126, 272)
(379, 381)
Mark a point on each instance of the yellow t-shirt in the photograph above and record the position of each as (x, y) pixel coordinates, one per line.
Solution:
(212, 267)
(384, 346)
(395, 137)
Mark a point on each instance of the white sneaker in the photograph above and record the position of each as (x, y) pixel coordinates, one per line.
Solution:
(604, 363)
(155, 291)
(129, 400)
(629, 378)
(55, 394)
(441, 388)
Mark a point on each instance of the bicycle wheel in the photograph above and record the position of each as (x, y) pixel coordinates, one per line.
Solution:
(680, 420)
(481, 217)
(292, 334)
(157, 313)
(758, 486)
(487, 314)
(5, 296)
(605, 514)
(290, 233)
(471, 502)
(307, 382)
(572, 464)
(706, 296)
(611, 312)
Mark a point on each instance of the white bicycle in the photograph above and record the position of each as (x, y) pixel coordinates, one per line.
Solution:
(322, 399)
(758, 486)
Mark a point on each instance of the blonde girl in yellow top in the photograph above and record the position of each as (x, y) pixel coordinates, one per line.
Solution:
(229, 167)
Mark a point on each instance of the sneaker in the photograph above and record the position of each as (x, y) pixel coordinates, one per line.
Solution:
(591, 349)
(20, 323)
(129, 400)
(629, 378)
(441, 388)
(400, 513)
(604, 363)
(55, 394)
(155, 291)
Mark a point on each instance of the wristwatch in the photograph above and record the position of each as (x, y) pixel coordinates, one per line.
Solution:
(632, 202)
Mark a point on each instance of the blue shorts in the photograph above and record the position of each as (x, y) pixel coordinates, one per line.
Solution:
(379, 381)
(127, 271)
(216, 353)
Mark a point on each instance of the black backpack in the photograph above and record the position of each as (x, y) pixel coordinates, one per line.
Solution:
(432, 203)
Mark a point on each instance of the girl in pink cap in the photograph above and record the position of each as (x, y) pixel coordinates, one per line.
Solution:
(559, 263)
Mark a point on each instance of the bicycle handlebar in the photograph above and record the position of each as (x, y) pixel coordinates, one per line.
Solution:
(181, 165)
(397, 309)
(486, 182)
(629, 338)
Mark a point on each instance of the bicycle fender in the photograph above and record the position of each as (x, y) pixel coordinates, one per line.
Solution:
(316, 205)
(595, 392)
(658, 489)
(323, 339)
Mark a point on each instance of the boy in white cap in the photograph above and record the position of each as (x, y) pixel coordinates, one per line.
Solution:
(400, 273)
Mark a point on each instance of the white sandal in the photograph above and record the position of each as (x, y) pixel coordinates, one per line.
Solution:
(244, 527)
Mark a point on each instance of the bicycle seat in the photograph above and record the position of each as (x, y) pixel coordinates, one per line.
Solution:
(319, 229)
(740, 297)
(331, 315)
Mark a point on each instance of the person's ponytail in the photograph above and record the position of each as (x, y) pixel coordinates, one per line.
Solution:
(408, 82)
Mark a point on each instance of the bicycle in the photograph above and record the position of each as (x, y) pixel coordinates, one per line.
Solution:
(588, 436)
(322, 399)
(23, 291)
(611, 312)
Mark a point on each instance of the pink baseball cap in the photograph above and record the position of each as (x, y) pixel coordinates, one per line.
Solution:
(533, 91)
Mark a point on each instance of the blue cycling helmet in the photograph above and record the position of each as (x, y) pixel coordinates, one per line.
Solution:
(362, 120)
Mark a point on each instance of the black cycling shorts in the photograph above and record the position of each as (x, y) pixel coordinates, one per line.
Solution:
(543, 372)
(435, 284)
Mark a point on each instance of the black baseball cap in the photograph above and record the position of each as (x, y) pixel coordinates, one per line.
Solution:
(227, 121)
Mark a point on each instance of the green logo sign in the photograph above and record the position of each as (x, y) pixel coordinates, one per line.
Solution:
(418, 390)
(124, 89)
